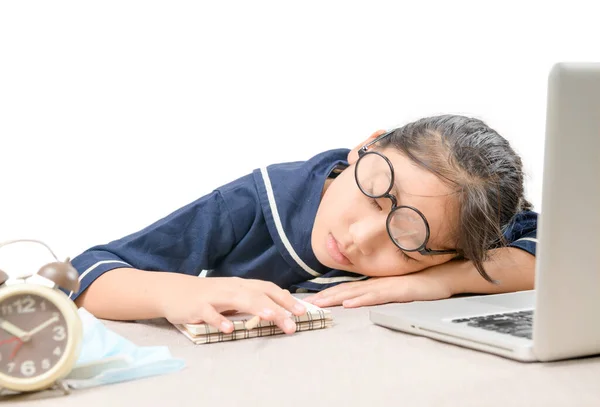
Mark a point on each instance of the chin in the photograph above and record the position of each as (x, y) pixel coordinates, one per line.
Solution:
(325, 260)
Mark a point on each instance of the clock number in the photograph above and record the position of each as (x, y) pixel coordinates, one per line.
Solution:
(43, 305)
(6, 310)
(28, 305)
(59, 333)
(11, 366)
(28, 368)
(46, 364)
(25, 305)
(56, 351)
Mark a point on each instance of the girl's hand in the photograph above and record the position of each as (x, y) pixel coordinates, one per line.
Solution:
(418, 286)
(194, 300)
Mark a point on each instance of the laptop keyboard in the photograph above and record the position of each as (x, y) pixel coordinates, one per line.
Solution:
(512, 323)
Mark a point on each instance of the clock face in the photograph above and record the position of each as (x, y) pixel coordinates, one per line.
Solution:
(33, 335)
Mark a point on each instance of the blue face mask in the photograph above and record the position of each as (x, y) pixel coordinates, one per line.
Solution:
(107, 358)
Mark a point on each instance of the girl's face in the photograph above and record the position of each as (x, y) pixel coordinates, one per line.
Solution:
(350, 231)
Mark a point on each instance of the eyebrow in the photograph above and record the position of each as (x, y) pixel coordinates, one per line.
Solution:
(397, 188)
(397, 191)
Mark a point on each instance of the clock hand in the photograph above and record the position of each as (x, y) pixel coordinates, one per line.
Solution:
(13, 329)
(42, 326)
(16, 349)
(9, 340)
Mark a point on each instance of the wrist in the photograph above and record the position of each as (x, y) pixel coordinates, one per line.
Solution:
(162, 287)
(513, 268)
(168, 289)
(453, 277)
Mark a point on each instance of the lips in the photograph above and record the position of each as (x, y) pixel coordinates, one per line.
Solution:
(334, 252)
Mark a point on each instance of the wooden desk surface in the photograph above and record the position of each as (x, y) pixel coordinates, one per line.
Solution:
(353, 363)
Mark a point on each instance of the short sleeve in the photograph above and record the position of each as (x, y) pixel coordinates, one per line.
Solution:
(191, 239)
(522, 232)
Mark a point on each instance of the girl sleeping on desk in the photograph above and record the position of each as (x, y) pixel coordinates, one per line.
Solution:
(423, 212)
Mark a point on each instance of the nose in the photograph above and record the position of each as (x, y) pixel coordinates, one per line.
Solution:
(368, 232)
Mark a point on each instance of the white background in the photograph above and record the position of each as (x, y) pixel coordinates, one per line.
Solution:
(115, 113)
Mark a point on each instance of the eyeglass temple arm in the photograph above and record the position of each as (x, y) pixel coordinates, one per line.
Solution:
(437, 252)
(384, 135)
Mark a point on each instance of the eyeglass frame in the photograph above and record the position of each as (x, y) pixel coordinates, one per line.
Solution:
(422, 250)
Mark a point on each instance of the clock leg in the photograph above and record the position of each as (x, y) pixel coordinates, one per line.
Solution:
(62, 385)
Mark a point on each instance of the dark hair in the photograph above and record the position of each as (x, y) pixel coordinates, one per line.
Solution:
(480, 165)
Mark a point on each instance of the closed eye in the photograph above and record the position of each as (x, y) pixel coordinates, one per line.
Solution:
(375, 203)
(405, 256)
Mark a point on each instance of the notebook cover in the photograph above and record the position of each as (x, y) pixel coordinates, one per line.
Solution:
(314, 318)
(239, 320)
(253, 333)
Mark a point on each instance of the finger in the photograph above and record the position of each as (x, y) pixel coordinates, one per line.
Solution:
(342, 294)
(262, 305)
(210, 315)
(282, 320)
(327, 292)
(339, 289)
(314, 297)
(286, 300)
(281, 297)
(373, 296)
(362, 300)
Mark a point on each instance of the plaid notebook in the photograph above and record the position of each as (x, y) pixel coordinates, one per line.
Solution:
(314, 318)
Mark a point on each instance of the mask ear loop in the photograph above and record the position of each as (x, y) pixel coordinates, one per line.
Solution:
(60, 273)
(3, 275)
(9, 242)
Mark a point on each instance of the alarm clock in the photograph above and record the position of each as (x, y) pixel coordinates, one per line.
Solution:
(40, 328)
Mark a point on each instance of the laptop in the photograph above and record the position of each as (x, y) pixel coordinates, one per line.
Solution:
(560, 318)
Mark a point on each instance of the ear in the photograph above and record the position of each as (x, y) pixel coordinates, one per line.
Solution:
(353, 154)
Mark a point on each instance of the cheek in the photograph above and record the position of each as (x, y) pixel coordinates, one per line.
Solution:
(342, 203)
(395, 265)
(390, 263)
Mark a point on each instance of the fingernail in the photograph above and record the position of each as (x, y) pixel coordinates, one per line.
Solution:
(226, 326)
(266, 313)
(289, 325)
(299, 307)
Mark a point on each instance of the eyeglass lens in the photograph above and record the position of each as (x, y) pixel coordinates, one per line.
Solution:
(407, 228)
(374, 175)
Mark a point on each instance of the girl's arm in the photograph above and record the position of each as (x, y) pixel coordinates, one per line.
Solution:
(513, 268)
(131, 294)
(128, 294)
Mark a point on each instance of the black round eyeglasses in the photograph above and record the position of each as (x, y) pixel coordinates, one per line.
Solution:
(407, 226)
